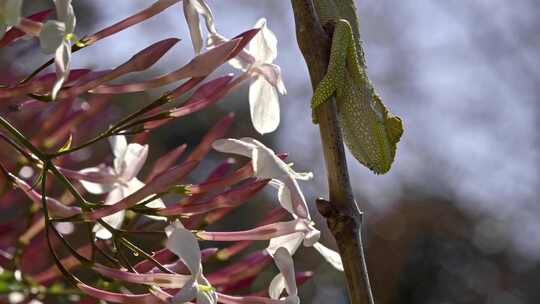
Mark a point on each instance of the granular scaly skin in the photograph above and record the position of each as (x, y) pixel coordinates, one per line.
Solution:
(370, 131)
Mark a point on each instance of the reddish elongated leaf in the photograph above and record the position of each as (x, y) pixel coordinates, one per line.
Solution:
(218, 131)
(150, 55)
(50, 118)
(244, 172)
(134, 19)
(206, 95)
(245, 267)
(115, 297)
(227, 199)
(181, 268)
(96, 102)
(165, 280)
(200, 66)
(40, 85)
(275, 215)
(259, 233)
(221, 170)
(164, 256)
(68, 263)
(246, 38)
(166, 161)
(14, 33)
(138, 62)
(160, 183)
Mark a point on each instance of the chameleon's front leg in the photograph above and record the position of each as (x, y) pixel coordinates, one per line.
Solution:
(342, 42)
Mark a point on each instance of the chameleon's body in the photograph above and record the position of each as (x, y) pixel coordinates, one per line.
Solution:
(370, 131)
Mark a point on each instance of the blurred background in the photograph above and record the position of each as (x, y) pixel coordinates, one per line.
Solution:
(456, 220)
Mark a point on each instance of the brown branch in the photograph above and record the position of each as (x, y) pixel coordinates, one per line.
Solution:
(342, 214)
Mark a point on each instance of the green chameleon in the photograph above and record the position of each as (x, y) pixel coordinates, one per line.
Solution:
(370, 131)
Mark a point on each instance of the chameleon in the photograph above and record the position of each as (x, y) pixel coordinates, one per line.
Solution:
(370, 131)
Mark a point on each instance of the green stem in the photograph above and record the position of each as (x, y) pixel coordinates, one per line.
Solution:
(74, 48)
(117, 126)
(21, 138)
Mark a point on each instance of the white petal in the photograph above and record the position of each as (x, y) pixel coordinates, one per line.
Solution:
(266, 164)
(294, 299)
(285, 264)
(184, 244)
(203, 9)
(264, 45)
(62, 61)
(242, 61)
(272, 74)
(295, 197)
(115, 219)
(305, 176)
(51, 36)
(263, 105)
(134, 185)
(330, 256)
(284, 195)
(192, 19)
(133, 161)
(65, 13)
(96, 188)
(12, 11)
(291, 242)
(234, 146)
(188, 292)
(157, 203)
(277, 285)
(118, 146)
(312, 237)
(207, 297)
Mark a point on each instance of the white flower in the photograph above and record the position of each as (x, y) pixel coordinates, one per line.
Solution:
(121, 180)
(10, 13)
(285, 280)
(55, 37)
(266, 76)
(266, 164)
(291, 242)
(192, 9)
(183, 243)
